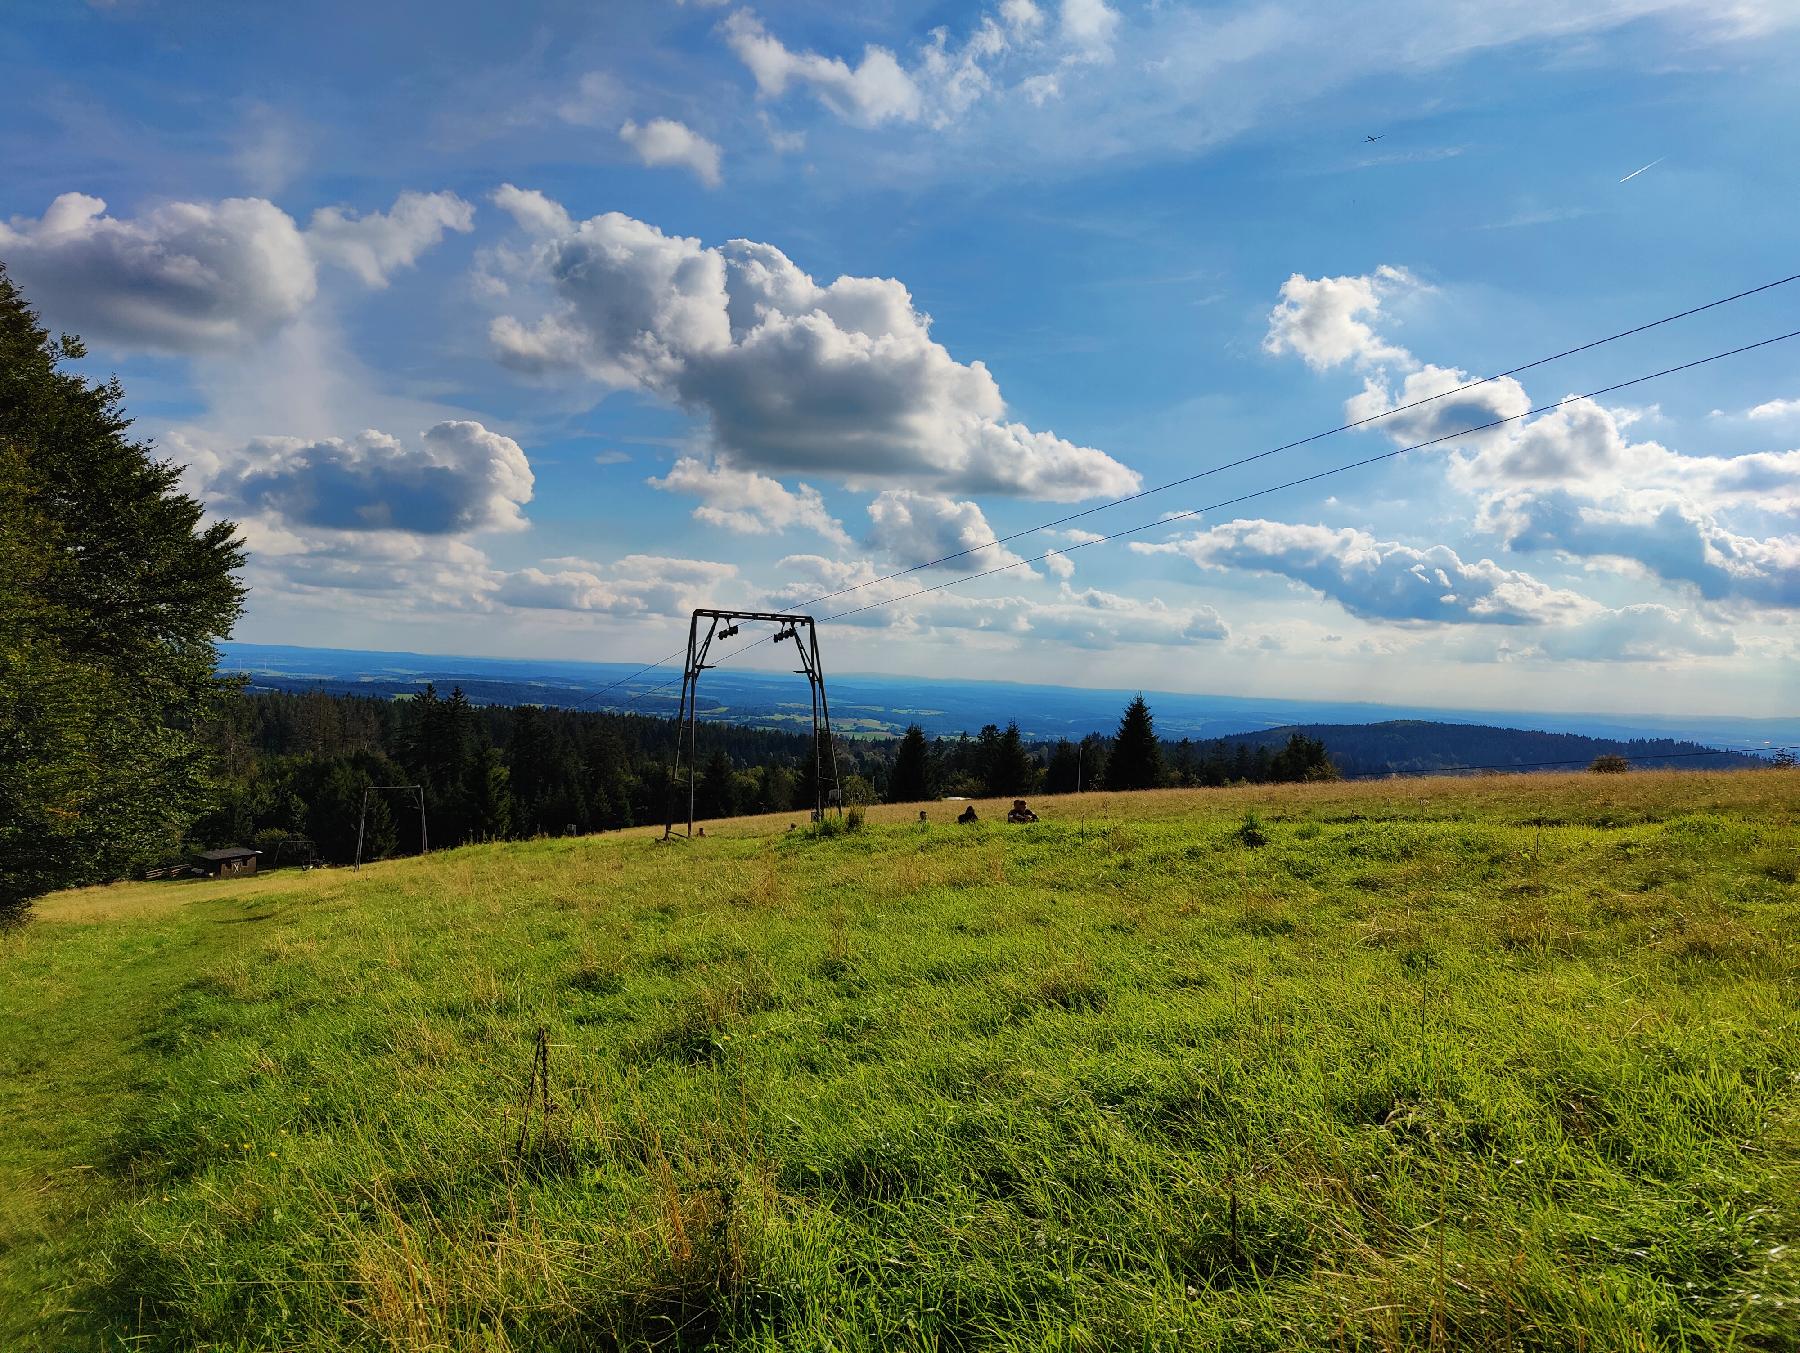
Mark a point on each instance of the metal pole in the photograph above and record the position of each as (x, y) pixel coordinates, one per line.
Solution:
(424, 835)
(687, 676)
(361, 818)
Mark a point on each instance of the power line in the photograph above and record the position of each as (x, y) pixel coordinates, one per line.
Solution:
(1221, 468)
(1322, 474)
(1248, 459)
(1260, 493)
(1306, 441)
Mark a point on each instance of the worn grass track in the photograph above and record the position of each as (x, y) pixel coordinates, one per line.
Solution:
(1425, 1064)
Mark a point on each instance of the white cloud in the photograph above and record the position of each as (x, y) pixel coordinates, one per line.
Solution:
(532, 210)
(1646, 632)
(1060, 564)
(1570, 481)
(458, 478)
(910, 528)
(842, 380)
(747, 502)
(597, 101)
(636, 585)
(1378, 580)
(375, 245)
(1776, 409)
(1445, 414)
(874, 91)
(1089, 26)
(1665, 535)
(946, 78)
(1087, 619)
(1327, 320)
(663, 141)
(183, 277)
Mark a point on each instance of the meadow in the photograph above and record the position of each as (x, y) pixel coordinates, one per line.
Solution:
(1479, 1063)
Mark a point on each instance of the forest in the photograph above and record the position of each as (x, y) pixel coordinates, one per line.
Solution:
(292, 770)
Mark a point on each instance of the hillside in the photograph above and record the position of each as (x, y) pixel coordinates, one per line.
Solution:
(1422, 1064)
(1421, 747)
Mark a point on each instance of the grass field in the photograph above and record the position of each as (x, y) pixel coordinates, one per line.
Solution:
(1428, 1064)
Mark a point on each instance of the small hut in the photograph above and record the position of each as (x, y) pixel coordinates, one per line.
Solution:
(225, 863)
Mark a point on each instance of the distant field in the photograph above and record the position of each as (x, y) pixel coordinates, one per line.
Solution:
(1487, 1063)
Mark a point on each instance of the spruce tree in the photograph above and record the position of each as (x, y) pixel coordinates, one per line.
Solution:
(910, 781)
(113, 591)
(1136, 760)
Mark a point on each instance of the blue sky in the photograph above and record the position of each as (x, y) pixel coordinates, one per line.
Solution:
(522, 333)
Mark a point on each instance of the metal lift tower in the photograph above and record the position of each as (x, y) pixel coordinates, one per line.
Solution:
(702, 630)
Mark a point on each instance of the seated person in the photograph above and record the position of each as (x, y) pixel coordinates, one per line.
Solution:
(968, 815)
(921, 815)
(1020, 813)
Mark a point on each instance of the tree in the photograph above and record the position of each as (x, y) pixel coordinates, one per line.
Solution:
(1136, 761)
(716, 794)
(1303, 758)
(910, 781)
(112, 594)
(1609, 764)
(1008, 769)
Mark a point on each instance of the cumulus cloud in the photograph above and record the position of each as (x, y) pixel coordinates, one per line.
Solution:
(842, 380)
(183, 277)
(747, 502)
(910, 528)
(1571, 481)
(458, 478)
(207, 276)
(1088, 618)
(663, 141)
(1089, 26)
(1446, 414)
(1327, 321)
(1378, 580)
(1776, 409)
(1665, 536)
(375, 245)
(637, 585)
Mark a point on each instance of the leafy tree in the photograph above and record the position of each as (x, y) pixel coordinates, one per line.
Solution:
(910, 780)
(1136, 760)
(112, 594)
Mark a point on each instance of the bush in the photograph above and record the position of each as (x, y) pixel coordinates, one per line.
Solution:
(1251, 831)
(1609, 765)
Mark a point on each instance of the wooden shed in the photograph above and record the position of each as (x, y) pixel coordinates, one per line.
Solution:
(229, 861)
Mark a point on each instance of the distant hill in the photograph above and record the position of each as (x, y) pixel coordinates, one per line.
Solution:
(1420, 746)
(864, 705)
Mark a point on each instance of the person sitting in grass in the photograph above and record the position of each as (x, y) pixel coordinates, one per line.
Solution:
(1020, 813)
(967, 815)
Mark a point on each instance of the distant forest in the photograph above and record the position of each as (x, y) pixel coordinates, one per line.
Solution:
(293, 767)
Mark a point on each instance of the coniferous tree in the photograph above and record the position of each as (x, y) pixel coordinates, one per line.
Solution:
(1010, 769)
(910, 781)
(1136, 760)
(112, 594)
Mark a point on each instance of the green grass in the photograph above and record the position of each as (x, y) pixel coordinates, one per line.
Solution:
(1482, 1063)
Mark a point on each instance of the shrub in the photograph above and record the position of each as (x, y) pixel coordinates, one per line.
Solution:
(1251, 830)
(1609, 765)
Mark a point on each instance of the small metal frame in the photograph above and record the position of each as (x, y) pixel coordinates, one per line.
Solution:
(723, 625)
(418, 793)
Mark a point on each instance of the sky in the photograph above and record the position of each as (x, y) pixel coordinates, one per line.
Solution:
(523, 330)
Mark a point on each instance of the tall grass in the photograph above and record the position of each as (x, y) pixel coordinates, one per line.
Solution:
(1418, 1065)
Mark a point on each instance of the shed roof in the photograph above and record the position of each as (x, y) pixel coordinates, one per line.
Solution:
(228, 853)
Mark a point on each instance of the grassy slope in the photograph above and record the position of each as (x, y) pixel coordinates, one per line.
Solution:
(1443, 1063)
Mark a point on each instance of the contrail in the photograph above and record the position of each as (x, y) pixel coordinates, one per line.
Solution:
(1634, 173)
